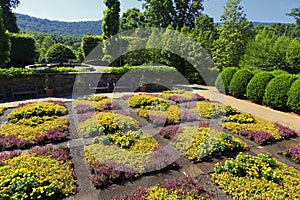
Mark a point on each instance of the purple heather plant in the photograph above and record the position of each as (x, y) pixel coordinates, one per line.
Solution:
(293, 153)
(260, 137)
(113, 105)
(284, 131)
(58, 153)
(52, 135)
(197, 97)
(170, 132)
(187, 116)
(84, 108)
(189, 105)
(157, 120)
(12, 141)
(84, 116)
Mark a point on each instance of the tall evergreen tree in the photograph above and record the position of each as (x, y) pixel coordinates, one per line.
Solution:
(296, 14)
(4, 44)
(110, 23)
(234, 34)
(162, 13)
(9, 18)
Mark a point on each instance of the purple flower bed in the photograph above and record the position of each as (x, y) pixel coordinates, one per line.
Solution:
(84, 108)
(52, 135)
(108, 173)
(189, 105)
(260, 137)
(170, 132)
(284, 131)
(12, 141)
(187, 116)
(181, 99)
(6, 156)
(157, 120)
(160, 159)
(114, 105)
(293, 153)
(59, 153)
(183, 187)
(84, 116)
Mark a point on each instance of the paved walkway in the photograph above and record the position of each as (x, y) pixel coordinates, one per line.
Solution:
(288, 119)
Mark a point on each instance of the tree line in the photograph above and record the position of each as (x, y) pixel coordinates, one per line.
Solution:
(233, 43)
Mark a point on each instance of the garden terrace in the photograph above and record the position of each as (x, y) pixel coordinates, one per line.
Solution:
(166, 142)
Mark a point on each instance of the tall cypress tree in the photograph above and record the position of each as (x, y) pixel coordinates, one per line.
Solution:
(4, 43)
(9, 18)
(111, 23)
(233, 36)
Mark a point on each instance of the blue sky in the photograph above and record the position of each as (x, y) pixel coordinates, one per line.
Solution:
(82, 10)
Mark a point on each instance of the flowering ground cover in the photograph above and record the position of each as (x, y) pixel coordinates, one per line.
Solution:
(34, 123)
(41, 173)
(259, 130)
(257, 177)
(125, 155)
(2, 109)
(293, 153)
(181, 96)
(198, 143)
(177, 188)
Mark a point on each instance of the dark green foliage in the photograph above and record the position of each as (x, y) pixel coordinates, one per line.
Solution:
(110, 24)
(77, 29)
(257, 86)
(23, 50)
(224, 78)
(89, 42)
(60, 53)
(132, 19)
(239, 82)
(4, 44)
(293, 56)
(294, 96)
(9, 18)
(276, 92)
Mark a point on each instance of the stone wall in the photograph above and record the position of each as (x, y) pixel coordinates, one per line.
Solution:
(63, 82)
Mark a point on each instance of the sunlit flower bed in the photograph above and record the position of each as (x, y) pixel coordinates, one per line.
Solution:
(177, 188)
(256, 129)
(257, 177)
(293, 153)
(125, 155)
(34, 123)
(2, 109)
(42, 173)
(198, 143)
(181, 96)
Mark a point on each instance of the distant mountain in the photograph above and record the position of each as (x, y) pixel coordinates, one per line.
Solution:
(32, 24)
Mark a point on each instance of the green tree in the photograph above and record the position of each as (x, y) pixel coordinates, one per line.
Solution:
(9, 18)
(45, 45)
(23, 50)
(234, 34)
(132, 19)
(4, 44)
(205, 32)
(293, 56)
(162, 13)
(296, 14)
(60, 53)
(110, 23)
(89, 42)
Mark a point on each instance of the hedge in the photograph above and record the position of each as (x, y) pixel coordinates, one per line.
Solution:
(276, 92)
(294, 96)
(224, 78)
(239, 82)
(60, 53)
(257, 86)
(278, 72)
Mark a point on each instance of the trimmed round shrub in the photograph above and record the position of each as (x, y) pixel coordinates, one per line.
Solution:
(59, 53)
(257, 86)
(276, 94)
(239, 82)
(294, 96)
(224, 78)
(278, 72)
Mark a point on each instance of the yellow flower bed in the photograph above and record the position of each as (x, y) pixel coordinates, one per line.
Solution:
(257, 125)
(209, 110)
(94, 101)
(2, 109)
(257, 177)
(198, 143)
(31, 132)
(37, 109)
(57, 173)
